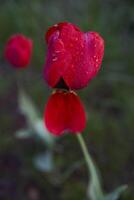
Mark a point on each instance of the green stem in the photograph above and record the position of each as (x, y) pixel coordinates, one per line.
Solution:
(95, 185)
(18, 79)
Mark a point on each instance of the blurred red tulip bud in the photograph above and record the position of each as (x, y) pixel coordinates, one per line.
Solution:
(18, 50)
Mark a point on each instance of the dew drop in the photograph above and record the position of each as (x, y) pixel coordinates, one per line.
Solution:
(57, 51)
(54, 59)
(56, 25)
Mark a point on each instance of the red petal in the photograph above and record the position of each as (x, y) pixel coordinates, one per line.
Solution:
(57, 60)
(87, 56)
(64, 112)
(57, 27)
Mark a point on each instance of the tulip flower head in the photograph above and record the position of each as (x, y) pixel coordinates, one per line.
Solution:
(18, 51)
(64, 112)
(73, 57)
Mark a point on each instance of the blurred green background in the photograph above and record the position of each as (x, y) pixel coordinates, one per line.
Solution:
(109, 102)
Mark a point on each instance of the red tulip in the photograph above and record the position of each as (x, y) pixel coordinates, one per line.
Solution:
(18, 50)
(64, 112)
(73, 57)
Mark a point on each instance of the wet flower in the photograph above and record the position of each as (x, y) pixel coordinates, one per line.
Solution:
(18, 50)
(73, 57)
(64, 112)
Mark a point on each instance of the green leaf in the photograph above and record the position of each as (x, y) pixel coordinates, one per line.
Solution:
(43, 133)
(23, 133)
(44, 161)
(35, 123)
(116, 193)
(94, 188)
(27, 107)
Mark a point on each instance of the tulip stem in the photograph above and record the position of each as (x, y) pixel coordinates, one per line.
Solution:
(93, 172)
(18, 80)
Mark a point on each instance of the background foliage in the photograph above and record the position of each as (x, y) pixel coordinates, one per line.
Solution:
(108, 101)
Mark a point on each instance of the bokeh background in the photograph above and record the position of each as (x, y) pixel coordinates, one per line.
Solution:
(109, 102)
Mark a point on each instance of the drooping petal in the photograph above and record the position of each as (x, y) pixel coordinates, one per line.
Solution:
(72, 55)
(64, 112)
(18, 50)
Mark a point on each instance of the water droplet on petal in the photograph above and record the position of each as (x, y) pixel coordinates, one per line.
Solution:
(57, 51)
(56, 25)
(54, 59)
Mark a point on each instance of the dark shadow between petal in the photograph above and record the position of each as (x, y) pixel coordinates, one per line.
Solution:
(61, 85)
